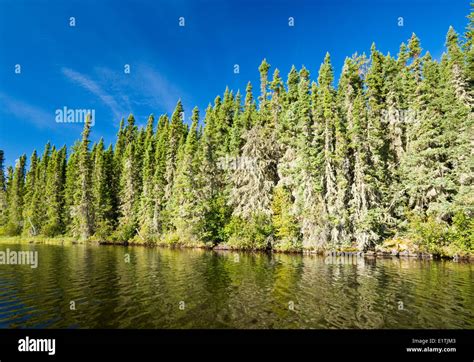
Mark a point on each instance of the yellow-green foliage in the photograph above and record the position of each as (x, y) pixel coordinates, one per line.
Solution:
(438, 237)
(284, 222)
(253, 234)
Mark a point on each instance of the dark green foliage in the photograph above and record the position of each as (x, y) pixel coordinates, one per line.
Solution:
(15, 192)
(102, 182)
(3, 192)
(54, 193)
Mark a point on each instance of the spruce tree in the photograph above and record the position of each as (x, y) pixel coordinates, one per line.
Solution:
(54, 193)
(237, 129)
(212, 209)
(175, 139)
(83, 202)
(30, 211)
(328, 118)
(15, 197)
(3, 192)
(146, 197)
(183, 203)
(102, 183)
(128, 195)
(378, 138)
(154, 223)
(8, 196)
(70, 190)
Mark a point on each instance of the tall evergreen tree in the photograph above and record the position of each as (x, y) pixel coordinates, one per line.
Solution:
(212, 209)
(128, 208)
(15, 197)
(3, 192)
(31, 209)
(83, 202)
(154, 223)
(183, 204)
(8, 194)
(146, 197)
(328, 119)
(54, 193)
(70, 190)
(102, 183)
(175, 139)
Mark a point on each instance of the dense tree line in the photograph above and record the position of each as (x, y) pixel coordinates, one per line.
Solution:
(388, 153)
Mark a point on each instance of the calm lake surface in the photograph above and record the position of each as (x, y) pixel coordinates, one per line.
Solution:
(165, 288)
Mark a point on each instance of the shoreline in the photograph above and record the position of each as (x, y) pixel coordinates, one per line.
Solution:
(378, 252)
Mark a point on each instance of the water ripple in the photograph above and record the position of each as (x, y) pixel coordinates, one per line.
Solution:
(82, 286)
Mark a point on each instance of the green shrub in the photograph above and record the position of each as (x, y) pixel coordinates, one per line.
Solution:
(253, 234)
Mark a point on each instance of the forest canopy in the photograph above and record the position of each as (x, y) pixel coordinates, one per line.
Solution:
(386, 154)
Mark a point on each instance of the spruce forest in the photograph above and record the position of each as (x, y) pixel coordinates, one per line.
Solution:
(381, 156)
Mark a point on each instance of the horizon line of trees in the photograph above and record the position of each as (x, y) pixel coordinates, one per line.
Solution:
(388, 153)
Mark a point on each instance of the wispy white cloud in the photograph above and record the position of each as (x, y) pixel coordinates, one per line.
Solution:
(156, 89)
(122, 94)
(144, 86)
(96, 89)
(23, 110)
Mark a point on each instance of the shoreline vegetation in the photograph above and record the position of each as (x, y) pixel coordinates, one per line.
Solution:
(381, 163)
(389, 249)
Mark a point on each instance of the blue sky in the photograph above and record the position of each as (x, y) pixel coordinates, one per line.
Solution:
(83, 66)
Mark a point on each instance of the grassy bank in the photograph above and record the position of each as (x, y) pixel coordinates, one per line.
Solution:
(38, 240)
(391, 247)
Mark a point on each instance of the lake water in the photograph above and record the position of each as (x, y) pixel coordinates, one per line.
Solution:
(165, 288)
